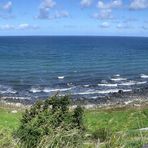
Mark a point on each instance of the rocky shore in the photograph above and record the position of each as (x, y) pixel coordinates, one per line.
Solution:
(134, 98)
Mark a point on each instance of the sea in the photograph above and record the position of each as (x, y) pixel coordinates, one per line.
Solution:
(33, 67)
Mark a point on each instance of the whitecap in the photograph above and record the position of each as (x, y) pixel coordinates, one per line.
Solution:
(144, 76)
(102, 91)
(69, 84)
(118, 79)
(47, 90)
(142, 82)
(94, 97)
(61, 77)
(130, 83)
(117, 75)
(35, 90)
(6, 90)
(86, 85)
(17, 98)
(108, 85)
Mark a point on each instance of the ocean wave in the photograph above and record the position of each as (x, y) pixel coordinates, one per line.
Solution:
(7, 90)
(118, 79)
(117, 75)
(108, 85)
(142, 82)
(102, 91)
(94, 97)
(35, 90)
(144, 76)
(61, 77)
(47, 90)
(130, 83)
(17, 98)
(86, 85)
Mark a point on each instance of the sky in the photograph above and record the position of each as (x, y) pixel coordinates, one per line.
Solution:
(74, 17)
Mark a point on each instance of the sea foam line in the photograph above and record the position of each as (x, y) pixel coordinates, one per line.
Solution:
(56, 90)
(108, 85)
(144, 76)
(118, 79)
(102, 91)
(48, 90)
(61, 77)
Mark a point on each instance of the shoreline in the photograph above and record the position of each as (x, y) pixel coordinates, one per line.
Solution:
(136, 98)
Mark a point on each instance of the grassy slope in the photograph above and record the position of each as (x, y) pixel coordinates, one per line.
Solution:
(8, 119)
(123, 123)
(115, 119)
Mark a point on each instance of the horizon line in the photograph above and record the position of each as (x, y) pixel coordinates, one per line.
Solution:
(70, 36)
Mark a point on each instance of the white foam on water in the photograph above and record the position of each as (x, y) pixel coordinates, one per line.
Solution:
(130, 83)
(95, 97)
(89, 92)
(118, 79)
(108, 85)
(61, 77)
(142, 82)
(7, 90)
(17, 98)
(35, 90)
(86, 85)
(144, 76)
(117, 75)
(47, 90)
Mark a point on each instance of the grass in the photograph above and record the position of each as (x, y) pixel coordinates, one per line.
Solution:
(123, 122)
(117, 120)
(9, 120)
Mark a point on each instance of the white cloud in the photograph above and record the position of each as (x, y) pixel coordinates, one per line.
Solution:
(27, 26)
(48, 4)
(5, 10)
(105, 9)
(101, 5)
(7, 27)
(45, 6)
(86, 3)
(61, 14)
(18, 27)
(139, 4)
(123, 26)
(116, 4)
(7, 6)
(105, 25)
(104, 14)
(44, 11)
(56, 15)
(110, 5)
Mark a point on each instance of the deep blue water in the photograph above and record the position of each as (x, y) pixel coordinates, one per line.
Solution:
(81, 66)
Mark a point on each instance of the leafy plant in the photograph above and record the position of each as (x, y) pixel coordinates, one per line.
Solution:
(51, 123)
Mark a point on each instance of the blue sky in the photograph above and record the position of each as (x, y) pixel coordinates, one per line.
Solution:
(74, 17)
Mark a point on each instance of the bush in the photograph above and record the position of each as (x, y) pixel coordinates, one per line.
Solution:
(50, 124)
(6, 139)
(102, 134)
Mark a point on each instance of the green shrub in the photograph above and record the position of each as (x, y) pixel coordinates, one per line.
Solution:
(102, 134)
(51, 123)
(6, 139)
